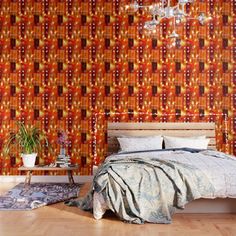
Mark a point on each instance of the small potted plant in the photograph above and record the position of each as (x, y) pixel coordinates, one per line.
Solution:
(63, 141)
(30, 142)
(63, 160)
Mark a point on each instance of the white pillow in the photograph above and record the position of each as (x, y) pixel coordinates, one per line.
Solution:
(198, 142)
(129, 144)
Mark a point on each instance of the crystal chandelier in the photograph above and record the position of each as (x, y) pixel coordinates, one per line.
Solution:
(164, 10)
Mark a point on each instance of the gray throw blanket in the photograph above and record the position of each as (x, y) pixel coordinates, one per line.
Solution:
(144, 189)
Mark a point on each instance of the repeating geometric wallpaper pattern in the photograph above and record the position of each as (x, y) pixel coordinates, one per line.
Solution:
(72, 65)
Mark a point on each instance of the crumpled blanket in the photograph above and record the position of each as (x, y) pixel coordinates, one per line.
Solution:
(140, 189)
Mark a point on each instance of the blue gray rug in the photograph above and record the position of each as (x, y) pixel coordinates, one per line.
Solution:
(37, 195)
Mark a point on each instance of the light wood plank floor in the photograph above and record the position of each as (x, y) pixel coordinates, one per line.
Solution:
(59, 219)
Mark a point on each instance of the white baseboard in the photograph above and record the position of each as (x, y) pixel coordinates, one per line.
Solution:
(45, 178)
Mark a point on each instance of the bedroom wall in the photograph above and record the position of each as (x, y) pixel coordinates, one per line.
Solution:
(72, 65)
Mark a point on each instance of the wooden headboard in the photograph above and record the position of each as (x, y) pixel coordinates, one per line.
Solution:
(171, 129)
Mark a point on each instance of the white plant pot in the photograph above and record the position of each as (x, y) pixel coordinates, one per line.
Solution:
(29, 159)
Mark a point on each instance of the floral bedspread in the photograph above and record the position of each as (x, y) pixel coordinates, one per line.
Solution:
(145, 188)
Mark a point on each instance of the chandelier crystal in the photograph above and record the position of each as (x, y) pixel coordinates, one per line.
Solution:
(164, 10)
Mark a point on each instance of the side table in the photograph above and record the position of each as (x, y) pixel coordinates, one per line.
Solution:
(43, 168)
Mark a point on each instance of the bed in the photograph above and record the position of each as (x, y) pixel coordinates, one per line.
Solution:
(151, 185)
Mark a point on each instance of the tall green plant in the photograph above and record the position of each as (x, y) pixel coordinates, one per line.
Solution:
(29, 139)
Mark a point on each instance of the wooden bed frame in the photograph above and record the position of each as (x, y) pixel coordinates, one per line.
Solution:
(179, 130)
(115, 130)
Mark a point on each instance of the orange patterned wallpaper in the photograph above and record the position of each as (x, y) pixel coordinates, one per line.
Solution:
(74, 64)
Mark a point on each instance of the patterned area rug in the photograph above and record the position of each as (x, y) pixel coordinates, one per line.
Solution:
(37, 195)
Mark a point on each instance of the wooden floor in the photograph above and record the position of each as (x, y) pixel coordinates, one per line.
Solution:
(59, 219)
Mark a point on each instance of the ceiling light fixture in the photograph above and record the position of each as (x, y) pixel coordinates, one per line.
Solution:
(164, 10)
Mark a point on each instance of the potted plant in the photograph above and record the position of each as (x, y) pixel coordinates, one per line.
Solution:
(63, 160)
(62, 140)
(30, 142)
